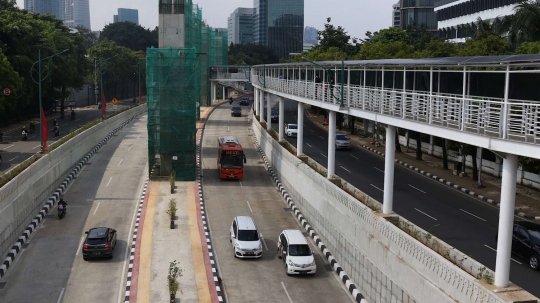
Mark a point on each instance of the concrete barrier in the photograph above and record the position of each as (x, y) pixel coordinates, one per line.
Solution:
(384, 262)
(23, 196)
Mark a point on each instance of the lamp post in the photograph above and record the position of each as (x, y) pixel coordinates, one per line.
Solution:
(341, 106)
(40, 79)
(101, 75)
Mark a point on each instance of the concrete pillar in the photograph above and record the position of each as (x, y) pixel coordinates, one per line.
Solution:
(331, 144)
(256, 100)
(388, 196)
(268, 113)
(224, 96)
(281, 118)
(300, 135)
(261, 105)
(213, 92)
(506, 220)
(431, 148)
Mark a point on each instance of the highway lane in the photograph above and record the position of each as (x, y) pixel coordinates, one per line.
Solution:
(262, 280)
(455, 217)
(105, 193)
(15, 151)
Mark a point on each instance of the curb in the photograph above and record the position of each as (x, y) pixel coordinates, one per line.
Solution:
(10, 258)
(211, 252)
(452, 185)
(134, 242)
(335, 265)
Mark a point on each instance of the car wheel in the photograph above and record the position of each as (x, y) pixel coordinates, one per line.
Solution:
(287, 270)
(533, 262)
(85, 258)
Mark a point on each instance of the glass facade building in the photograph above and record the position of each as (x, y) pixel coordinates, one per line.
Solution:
(77, 12)
(279, 24)
(418, 13)
(127, 14)
(240, 26)
(53, 7)
(396, 15)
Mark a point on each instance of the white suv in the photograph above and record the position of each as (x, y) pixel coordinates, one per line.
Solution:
(291, 130)
(294, 250)
(245, 238)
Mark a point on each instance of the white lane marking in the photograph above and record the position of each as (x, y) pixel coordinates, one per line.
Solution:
(382, 171)
(493, 249)
(473, 215)
(377, 187)
(425, 214)
(251, 210)
(354, 157)
(418, 189)
(126, 259)
(264, 242)
(8, 146)
(61, 295)
(80, 246)
(13, 158)
(286, 292)
(36, 147)
(323, 155)
(321, 137)
(96, 208)
(346, 169)
(120, 162)
(311, 130)
(130, 147)
(240, 183)
(109, 181)
(308, 145)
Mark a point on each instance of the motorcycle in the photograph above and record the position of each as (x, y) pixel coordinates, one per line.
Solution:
(61, 211)
(24, 135)
(56, 131)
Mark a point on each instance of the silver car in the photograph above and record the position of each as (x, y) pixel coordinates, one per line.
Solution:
(342, 141)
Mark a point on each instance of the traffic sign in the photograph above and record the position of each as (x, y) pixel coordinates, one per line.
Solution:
(114, 101)
(6, 91)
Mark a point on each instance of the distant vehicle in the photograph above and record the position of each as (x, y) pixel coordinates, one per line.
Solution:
(291, 130)
(274, 115)
(236, 111)
(245, 238)
(526, 242)
(230, 158)
(342, 141)
(99, 242)
(244, 101)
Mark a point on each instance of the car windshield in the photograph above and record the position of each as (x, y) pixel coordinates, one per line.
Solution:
(274, 113)
(248, 235)
(341, 137)
(299, 250)
(96, 241)
(292, 126)
(535, 236)
(236, 108)
(232, 159)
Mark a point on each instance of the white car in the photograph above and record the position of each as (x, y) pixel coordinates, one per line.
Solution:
(291, 130)
(245, 238)
(295, 252)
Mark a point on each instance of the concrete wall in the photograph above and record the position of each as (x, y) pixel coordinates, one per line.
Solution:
(22, 198)
(385, 263)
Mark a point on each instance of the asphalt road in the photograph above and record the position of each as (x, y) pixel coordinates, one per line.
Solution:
(256, 280)
(50, 269)
(14, 151)
(456, 218)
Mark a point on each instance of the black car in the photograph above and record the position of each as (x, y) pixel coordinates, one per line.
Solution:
(274, 115)
(526, 242)
(99, 242)
(236, 111)
(244, 101)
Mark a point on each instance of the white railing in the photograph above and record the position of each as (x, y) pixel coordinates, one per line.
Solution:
(479, 115)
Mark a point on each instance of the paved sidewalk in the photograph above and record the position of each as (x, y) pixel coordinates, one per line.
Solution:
(527, 199)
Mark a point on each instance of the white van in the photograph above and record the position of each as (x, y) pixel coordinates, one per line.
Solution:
(294, 250)
(245, 238)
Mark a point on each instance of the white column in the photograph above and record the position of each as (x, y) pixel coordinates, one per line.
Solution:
(224, 97)
(268, 113)
(388, 196)
(213, 92)
(261, 105)
(506, 220)
(431, 147)
(331, 144)
(281, 117)
(300, 135)
(256, 100)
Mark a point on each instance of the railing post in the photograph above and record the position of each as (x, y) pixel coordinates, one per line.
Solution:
(404, 94)
(349, 87)
(429, 117)
(504, 110)
(364, 91)
(381, 103)
(463, 107)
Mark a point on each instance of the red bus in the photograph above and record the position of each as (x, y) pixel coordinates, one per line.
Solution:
(230, 158)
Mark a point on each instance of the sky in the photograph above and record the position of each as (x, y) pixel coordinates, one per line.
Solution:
(356, 16)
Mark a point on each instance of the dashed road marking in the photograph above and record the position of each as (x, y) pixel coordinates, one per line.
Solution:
(473, 215)
(377, 187)
(493, 249)
(425, 214)
(418, 189)
(382, 171)
(346, 169)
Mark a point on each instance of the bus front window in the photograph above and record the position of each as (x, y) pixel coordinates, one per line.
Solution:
(229, 160)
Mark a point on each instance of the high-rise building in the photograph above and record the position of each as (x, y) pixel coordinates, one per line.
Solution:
(77, 12)
(279, 24)
(240, 26)
(311, 35)
(53, 7)
(419, 13)
(455, 19)
(396, 15)
(127, 14)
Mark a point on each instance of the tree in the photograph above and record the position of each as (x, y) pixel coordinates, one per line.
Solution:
(11, 79)
(380, 50)
(444, 154)
(419, 36)
(390, 35)
(129, 35)
(491, 45)
(418, 145)
(336, 37)
(251, 54)
(524, 24)
(89, 37)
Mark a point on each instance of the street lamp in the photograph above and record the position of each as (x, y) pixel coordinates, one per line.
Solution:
(101, 74)
(38, 82)
(341, 106)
